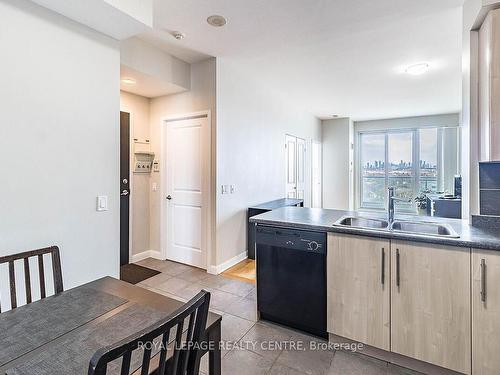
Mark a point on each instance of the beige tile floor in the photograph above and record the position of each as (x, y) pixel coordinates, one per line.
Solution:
(247, 339)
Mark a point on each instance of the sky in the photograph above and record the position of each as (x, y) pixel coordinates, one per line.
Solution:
(400, 147)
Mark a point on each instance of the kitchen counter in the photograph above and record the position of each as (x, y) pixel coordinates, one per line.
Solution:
(278, 203)
(324, 219)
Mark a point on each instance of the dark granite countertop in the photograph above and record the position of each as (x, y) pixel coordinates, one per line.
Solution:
(278, 203)
(324, 219)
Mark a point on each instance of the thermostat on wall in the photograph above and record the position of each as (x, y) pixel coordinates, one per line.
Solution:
(143, 162)
(156, 165)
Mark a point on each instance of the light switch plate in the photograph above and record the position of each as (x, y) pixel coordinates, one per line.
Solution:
(232, 189)
(224, 189)
(154, 186)
(102, 203)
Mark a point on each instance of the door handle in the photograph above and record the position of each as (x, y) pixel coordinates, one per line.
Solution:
(124, 193)
(169, 197)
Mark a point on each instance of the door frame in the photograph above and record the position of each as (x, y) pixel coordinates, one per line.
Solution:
(314, 142)
(130, 183)
(163, 213)
(296, 171)
(287, 167)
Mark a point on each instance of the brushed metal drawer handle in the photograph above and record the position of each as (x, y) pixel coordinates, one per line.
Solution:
(398, 272)
(483, 280)
(383, 266)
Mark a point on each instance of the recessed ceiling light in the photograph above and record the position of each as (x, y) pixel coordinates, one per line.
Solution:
(129, 81)
(216, 20)
(417, 69)
(178, 35)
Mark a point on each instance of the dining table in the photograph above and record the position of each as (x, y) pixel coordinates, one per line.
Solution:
(59, 334)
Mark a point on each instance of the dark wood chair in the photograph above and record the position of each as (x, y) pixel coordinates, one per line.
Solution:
(183, 357)
(25, 257)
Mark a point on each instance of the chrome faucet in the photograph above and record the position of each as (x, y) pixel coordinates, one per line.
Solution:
(390, 203)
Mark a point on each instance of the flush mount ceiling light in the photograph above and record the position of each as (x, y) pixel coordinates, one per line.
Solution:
(417, 69)
(128, 81)
(216, 20)
(178, 35)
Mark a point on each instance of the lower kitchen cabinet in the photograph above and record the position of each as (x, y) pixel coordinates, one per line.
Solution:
(430, 304)
(485, 312)
(358, 289)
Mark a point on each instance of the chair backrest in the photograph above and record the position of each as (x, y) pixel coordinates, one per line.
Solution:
(185, 351)
(25, 257)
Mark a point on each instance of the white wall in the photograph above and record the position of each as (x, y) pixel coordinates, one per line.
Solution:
(138, 107)
(469, 115)
(337, 166)
(474, 12)
(201, 97)
(155, 63)
(489, 87)
(432, 121)
(119, 19)
(59, 142)
(252, 121)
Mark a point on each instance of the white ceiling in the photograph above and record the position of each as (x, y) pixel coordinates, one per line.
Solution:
(344, 57)
(119, 19)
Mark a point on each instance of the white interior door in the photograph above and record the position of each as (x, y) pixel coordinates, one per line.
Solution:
(291, 166)
(295, 155)
(301, 168)
(316, 178)
(186, 150)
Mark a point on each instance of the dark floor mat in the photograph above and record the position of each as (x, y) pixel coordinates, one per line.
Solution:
(133, 274)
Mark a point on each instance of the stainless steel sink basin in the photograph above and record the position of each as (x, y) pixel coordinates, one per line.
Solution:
(424, 228)
(363, 222)
(403, 226)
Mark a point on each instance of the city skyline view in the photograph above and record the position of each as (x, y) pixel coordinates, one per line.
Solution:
(397, 169)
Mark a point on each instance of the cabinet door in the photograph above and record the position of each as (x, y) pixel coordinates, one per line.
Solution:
(358, 289)
(430, 304)
(485, 312)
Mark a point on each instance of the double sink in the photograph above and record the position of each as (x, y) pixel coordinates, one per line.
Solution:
(401, 226)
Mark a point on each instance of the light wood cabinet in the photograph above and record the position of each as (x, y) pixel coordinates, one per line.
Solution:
(430, 304)
(485, 312)
(358, 289)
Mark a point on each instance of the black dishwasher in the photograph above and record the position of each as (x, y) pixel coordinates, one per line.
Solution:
(291, 278)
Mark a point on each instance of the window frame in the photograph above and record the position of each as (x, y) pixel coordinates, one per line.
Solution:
(415, 131)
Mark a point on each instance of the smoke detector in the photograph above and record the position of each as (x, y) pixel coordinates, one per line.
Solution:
(216, 20)
(178, 35)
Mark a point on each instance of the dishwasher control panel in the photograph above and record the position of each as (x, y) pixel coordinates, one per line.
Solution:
(314, 242)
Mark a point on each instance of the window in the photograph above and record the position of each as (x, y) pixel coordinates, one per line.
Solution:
(373, 170)
(405, 159)
(428, 160)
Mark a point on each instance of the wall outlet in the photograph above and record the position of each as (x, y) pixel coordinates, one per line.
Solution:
(154, 186)
(102, 203)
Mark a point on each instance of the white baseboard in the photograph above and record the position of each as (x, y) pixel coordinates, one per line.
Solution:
(145, 254)
(215, 270)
